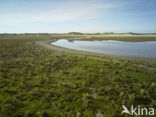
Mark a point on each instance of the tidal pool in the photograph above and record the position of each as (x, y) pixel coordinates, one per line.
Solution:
(134, 49)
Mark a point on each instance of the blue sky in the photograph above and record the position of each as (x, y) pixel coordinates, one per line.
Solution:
(59, 16)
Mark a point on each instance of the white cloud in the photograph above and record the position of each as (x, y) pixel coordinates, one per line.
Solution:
(66, 11)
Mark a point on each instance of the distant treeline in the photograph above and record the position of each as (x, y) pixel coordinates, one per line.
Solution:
(73, 33)
(26, 34)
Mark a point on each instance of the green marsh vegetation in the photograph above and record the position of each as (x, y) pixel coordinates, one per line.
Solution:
(39, 82)
(121, 38)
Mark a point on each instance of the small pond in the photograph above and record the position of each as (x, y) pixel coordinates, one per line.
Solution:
(112, 47)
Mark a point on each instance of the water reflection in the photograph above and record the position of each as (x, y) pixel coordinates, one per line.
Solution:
(137, 49)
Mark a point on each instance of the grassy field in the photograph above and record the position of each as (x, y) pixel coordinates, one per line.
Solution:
(39, 81)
